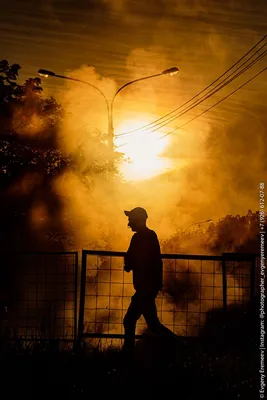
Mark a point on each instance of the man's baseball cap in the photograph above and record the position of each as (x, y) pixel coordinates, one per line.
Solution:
(137, 213)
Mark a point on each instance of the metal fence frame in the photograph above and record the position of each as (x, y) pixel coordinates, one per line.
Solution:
(224, 258)
(75, 284)
(80, 282)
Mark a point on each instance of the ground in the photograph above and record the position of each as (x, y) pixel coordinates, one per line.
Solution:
(193, 366)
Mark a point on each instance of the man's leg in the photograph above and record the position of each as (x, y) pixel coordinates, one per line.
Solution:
(150, 312)
(151, 317)
(134, 312)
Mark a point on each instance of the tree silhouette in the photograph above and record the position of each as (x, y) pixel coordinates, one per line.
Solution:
(232, 233)
(29, 157)
(30, 160)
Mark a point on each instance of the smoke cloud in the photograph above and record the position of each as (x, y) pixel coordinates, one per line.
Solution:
(209, 168)
(206, 170)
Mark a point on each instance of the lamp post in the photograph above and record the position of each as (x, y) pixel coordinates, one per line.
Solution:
(170, 71)
(198, 223)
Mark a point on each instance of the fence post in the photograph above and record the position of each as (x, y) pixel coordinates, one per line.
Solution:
(224, 283)
(76, 296)
(82, 297)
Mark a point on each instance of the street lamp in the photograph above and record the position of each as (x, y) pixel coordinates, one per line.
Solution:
(170, 71)
(198, 223)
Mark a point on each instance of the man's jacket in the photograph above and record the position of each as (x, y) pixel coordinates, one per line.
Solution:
(144, 259)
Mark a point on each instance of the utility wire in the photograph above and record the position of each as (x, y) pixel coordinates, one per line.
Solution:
(218, 102)
(205, 97)
(201, 100)
(210, 93)
(202, 91)
(208, 109)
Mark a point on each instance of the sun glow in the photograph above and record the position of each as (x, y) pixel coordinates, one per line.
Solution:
(142, 151)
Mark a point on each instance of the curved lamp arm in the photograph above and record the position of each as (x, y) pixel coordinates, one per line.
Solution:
(170, 71)
(45, 73)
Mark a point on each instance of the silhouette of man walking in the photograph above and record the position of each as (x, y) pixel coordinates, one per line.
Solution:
(143, 258)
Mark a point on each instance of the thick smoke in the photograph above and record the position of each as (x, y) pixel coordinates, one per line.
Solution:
(216, 161)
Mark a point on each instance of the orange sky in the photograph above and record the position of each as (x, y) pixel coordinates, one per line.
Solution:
(123, 39)
(109, 42)
(62, 35)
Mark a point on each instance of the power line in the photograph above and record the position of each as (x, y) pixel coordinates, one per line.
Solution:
(208, 109)
(202, 91)
(219, 86)
(205, 97)
(213, 91)
(199, 101)
(218, 102)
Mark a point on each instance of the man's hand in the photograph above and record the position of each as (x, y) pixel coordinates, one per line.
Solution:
(126, 267)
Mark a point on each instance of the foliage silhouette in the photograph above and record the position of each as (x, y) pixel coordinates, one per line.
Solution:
(30, 160)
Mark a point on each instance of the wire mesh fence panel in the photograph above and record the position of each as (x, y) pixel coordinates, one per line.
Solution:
(188, 293)
(238, 282)
(240, 277)
(39, 294)
(193, 285)
(108, 293)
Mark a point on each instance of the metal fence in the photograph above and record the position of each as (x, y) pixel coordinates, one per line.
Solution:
(38, 294)
(240, 277)
(193, 285)
(39, 291)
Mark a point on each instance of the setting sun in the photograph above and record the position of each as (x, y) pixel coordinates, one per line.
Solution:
(142, 151)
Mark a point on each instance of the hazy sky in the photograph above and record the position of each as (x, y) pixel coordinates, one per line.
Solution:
(64, 34)
(126, 39)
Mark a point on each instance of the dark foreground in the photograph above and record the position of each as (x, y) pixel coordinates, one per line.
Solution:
(190, 367)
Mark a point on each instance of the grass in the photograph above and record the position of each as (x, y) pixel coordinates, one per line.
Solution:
(196, 367)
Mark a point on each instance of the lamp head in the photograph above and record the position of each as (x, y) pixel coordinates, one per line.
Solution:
(171, 71)
(45, 73)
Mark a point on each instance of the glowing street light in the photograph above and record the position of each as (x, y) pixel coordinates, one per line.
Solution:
(171, 71)
(46, 73)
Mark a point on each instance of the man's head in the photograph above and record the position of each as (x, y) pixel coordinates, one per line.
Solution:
(137, 218)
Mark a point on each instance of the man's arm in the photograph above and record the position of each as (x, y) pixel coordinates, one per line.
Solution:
(156, 251)
(158, 264)
(128, 258)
